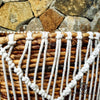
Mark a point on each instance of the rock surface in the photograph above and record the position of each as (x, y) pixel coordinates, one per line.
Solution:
(75, 24)
(39, 6)
(13, 14)
(35, 25)
(73, 7)
(95, 24)
(90, 13)
(51, 20)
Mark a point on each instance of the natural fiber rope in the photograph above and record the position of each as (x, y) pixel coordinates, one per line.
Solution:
(67, 90)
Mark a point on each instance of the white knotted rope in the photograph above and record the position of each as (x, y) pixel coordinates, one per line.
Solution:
(58, 37)
(4, 71)
(11, 44)
(33, 85)
(98, 91)
(27, 46)
(54, 63)
(67, 56)
(87, 53)
(44, 41)
(97, 64)
(45, 37)
(78, 57)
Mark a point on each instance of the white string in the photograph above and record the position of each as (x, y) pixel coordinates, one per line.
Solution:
(45, 36)
(65, 61)
(84, 69)
(69, 56)
(5, 77)
(67, 90)
(68, 70)
(87, 78)
(19, 66)
(53, 67)
(59, 36)
(11, 43)
(80, 62)
(97, 65)
(78, 54)
(38, 59)
(29, 40)
(98, 91)
(89, 98)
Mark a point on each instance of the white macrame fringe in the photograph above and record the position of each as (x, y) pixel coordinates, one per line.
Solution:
(76, 77)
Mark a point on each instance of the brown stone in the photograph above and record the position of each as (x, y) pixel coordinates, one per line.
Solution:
(51, 20)
(39, 6)
(14, 14)
(74, 24)
(73, 7)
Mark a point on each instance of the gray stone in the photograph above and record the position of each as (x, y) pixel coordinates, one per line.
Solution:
(90, 13)
(75, 24)
(95, 24)
(35, 25)
(73, 7)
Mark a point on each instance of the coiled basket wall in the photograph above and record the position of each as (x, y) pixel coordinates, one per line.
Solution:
(50, 66)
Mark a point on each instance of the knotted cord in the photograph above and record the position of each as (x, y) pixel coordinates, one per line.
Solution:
(69, 86)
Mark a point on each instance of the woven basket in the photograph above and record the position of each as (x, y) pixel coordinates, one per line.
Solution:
(90, 89)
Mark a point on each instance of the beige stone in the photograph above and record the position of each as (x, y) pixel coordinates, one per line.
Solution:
(74, 24)
(14, 14)
(39, 6)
